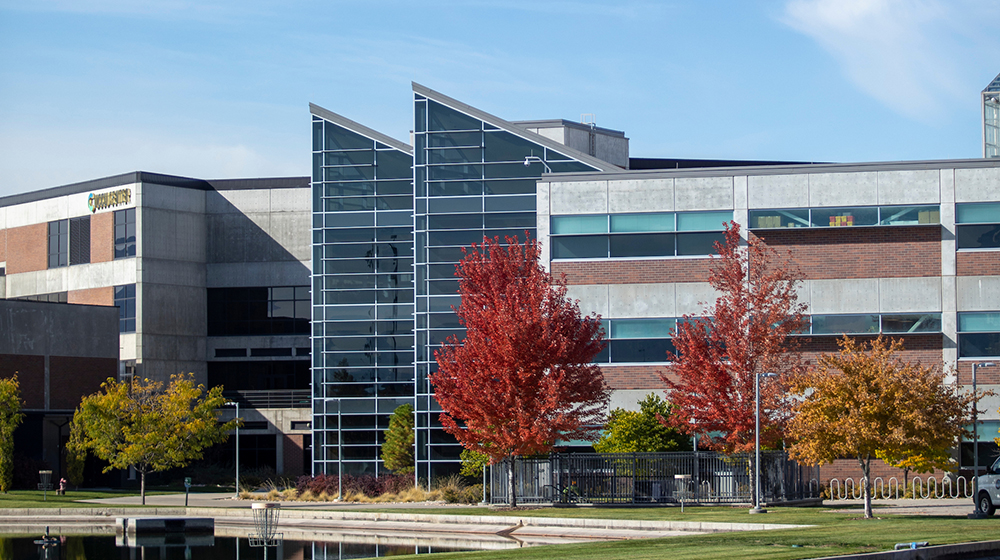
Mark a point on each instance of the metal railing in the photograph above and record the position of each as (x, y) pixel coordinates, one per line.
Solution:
(654, 478)
(271, 399)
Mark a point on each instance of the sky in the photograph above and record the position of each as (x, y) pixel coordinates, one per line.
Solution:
(221, 89)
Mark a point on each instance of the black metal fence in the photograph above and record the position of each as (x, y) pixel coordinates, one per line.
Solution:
(654, 478)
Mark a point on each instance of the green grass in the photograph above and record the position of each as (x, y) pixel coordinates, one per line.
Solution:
(833, 534)
(35, 498)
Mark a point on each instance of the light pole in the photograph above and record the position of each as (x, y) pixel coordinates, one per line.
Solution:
(976, 514)
(237, 405)
(756, 470)
(529, 159)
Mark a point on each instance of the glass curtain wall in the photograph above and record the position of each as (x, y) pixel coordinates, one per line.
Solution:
(362, 293)
(471, 180)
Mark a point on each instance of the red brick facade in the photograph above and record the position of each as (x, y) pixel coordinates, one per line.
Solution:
(292, 451)
(842, 469)
(633, 272)
(102, 237)
(70, 378)
(835, 253)
(30, 371)
(26, 248)
(633, 377)
(977, 263)
(92, 296)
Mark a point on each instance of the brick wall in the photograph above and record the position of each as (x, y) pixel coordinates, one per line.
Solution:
(987, 375)
(834, 253)
(27, 248)
(633, 272)
(72, 378)
(92, 296)
(292, 451)
(633, 377)
(842, 469)
(30, 371)
(978, 263)
(102, 237)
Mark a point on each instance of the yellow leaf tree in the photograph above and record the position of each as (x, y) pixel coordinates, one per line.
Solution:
(10, 417)
(865, 402)
(142, 425)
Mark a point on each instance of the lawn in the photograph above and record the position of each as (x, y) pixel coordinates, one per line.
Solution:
(36, 499)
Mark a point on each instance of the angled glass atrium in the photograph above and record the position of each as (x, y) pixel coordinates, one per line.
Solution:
(474, 176)
(362, 291)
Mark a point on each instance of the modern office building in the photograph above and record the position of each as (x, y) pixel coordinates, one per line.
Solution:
(209, 277)
(910, 249)
(991, 119)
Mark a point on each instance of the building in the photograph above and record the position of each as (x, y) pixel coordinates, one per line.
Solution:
(209, 277)
(910, 249)
(991, 119)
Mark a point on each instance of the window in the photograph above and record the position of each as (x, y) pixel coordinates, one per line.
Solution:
(845, 217)
(663, 234)
(978, 225)
(892, 323)
(125, 302)
(58, 243)
(263, 310)
(125, 233)
(56, 297)
(979, 335)
(637, 340)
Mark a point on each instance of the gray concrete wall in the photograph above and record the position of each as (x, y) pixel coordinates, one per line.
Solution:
(52, 329)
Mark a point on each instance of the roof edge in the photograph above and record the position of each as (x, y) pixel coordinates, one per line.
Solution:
(603, 166)
(361, 129)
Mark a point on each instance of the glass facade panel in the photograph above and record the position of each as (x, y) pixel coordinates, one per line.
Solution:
(456, 204)
(979, 322)
(702, 221)
(562, 225)
(627, 223)
(909, 215)
(844, 217)
(985, 236)
(363, 276)
(125, 302)
(581, 247)
(845, 324)
(698, 244)
(912, 323)
(786, 218)
(642, 245)
(641, 328)
(978, 213)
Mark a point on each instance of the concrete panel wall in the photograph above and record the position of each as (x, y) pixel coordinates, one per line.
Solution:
(77, 277)
(778, 191)
(589, 197)
(904, 295)
(909, 187)
(843, 189)
(703, 193)
(977, 185)
(843, 296)
(641, 195)
(179, 236)
(978, 293)
(692, 298)
(642, 300)
(220, 275)
(33, 328)
(593, 299)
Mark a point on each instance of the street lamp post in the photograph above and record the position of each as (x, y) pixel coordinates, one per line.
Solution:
(976, 514)
(756, 470)
(237, 405)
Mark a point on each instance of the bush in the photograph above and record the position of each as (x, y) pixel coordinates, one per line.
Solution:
(256, 477)
(367, 485)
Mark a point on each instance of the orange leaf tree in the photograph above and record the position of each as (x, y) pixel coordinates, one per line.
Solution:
(744, 334)
(522, 378)
(867, 403)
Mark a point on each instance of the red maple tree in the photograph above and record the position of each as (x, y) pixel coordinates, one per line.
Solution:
(746, 333)
(522, 378)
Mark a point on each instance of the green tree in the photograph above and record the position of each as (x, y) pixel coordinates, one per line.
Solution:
(630, 431)
(142, 425)
(473, 463)
(397, 451)
(10, 418)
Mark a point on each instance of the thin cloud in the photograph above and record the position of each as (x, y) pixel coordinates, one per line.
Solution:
(908, 55)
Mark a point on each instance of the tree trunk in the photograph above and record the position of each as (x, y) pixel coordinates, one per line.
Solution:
(142, 486)
(866, 463)
(511, 495)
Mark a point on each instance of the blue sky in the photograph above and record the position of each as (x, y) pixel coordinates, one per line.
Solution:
(217, 89)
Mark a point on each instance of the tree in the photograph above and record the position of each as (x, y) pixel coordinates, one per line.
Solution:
(746, 333)
(522, 379)
(867, 403)
(10, 418)
(142, 425)
(397, 451)
(641, 431)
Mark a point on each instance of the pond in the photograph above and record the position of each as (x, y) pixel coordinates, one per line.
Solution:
(104, 547)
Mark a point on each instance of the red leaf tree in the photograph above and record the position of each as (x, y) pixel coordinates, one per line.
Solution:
(522, 378)
(744, 334)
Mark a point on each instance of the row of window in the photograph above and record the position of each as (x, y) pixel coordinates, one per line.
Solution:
(258, 311)
(637, 235)
(69, 240)
(979, 335)
(979, 225)
(845, 217)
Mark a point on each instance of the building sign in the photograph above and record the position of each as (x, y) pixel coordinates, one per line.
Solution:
(101, 201)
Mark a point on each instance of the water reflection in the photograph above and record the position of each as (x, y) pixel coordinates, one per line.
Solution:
(173, 547)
